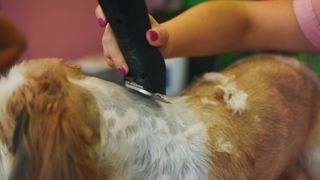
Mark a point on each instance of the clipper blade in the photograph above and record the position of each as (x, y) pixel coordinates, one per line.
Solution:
(136, 87)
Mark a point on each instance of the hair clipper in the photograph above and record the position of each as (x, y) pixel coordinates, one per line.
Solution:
(129, 21)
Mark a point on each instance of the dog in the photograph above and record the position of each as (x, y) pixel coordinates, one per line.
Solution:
(258, 119)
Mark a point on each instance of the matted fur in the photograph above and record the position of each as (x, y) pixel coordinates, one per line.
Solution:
(252, 121)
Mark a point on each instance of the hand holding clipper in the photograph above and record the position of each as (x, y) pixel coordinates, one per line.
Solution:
(129, 21)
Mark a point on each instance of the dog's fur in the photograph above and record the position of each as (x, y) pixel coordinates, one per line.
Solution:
(258, 119)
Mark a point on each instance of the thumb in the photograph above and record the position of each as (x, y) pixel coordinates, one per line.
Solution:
(158, 36)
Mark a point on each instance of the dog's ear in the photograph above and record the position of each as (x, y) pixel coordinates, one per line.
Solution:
(20, 129)
(19, 147)
(55, 134)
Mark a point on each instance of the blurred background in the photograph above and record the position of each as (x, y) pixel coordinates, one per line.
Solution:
(68, 29)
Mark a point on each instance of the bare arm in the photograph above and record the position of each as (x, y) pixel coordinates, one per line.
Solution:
(220, 26)
(12, 43)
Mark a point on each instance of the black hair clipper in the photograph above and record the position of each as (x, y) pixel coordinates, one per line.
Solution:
(129, 21)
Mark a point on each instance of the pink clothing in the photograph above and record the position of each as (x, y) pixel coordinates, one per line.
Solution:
(308, 16)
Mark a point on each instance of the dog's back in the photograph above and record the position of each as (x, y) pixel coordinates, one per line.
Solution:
(273, 102)
(252, 121)
(300, 90)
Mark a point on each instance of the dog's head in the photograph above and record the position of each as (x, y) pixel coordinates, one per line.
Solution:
(49, 125)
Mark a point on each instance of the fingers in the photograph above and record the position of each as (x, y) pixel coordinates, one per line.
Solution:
(102, 20)
(158, 36)
(112, 51)
(153, 22)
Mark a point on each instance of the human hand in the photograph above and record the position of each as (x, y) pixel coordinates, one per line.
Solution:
(157, 36)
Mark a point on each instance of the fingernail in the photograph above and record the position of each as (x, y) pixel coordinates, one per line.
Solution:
(153, 35)
(122, 71)
(101, 22)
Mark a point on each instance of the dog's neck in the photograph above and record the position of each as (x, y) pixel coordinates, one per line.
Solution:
(141, 138)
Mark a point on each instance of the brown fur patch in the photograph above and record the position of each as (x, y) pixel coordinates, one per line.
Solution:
(268, 137)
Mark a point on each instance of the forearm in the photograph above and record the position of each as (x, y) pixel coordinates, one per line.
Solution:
(221, 26)
(208, 28)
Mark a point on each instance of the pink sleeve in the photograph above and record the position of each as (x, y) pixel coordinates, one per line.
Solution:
(308, 16)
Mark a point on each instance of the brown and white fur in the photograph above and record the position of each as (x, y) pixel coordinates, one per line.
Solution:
(258, 119)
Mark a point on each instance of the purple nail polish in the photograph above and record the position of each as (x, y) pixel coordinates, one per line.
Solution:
(101, 22)
(153, 35)
(122, 71)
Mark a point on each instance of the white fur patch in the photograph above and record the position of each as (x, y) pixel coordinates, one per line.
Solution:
(5, 162)
(9, 84)
(206, 101)
(235, 99)
(224, 146)
(157, 140)
(194, 131)
(128, 119)
(217, 78)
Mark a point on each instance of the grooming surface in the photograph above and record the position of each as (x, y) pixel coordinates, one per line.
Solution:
(258, 119)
